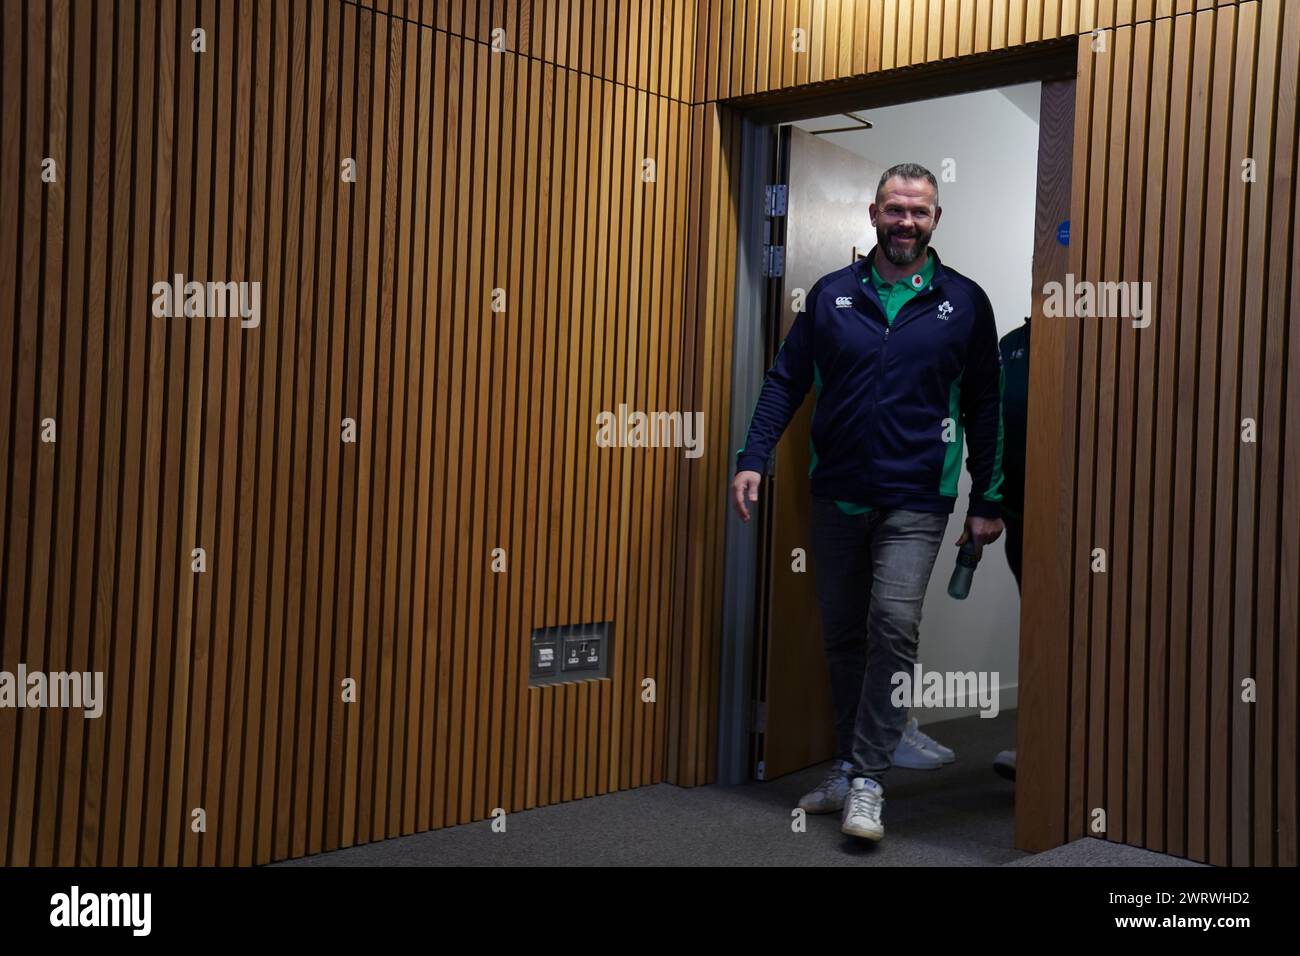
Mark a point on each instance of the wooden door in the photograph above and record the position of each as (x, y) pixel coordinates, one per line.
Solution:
(830, 190)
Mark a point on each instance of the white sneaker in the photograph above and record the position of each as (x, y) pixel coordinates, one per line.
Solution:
(911, 755)
(830, 793)
(862, 810)
(924, 741)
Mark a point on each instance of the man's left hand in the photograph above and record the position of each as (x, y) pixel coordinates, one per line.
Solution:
(983, 530)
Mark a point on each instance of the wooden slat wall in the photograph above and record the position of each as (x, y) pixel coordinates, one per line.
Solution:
(1200, 529)
(710, 225)
(1201, 579)
(519, 170)
(747, 46)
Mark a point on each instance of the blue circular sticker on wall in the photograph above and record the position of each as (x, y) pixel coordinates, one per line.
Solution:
(1063, 233)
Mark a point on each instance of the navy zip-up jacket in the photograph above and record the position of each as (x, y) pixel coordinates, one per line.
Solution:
(887, 396)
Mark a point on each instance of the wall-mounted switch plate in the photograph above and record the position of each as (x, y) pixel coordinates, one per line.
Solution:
(570, 652)
(544, 661)
(582, 652)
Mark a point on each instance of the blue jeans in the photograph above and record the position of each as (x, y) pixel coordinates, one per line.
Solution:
(871, 571)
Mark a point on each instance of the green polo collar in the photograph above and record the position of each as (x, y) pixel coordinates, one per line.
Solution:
(925, 276)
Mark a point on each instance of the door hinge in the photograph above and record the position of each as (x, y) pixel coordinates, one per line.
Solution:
(774, 199)
(773, 260)
(760, 717)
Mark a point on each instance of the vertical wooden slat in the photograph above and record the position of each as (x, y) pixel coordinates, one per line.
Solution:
(278, 371)
(938, 31)
(419, 716)
(158, 560)
(1289, 563)
(447, 767)
(175, 581)
(1129, 124)
(148, 128)
(353, 134)
(685, 272)
(392, 405)
(65, 271)
(588, 287)
(1232, 798)
(541, 491)
(805, 68)
(388, 418)
(203, 486)
(114, 403)
(965, 32)
(604, 395)
(1146, 670)
(559, 598)
(594, 286)
(983, 25)
(39, 46)
(1105, 668)
(876, 35)
(522, 503)
(314, 697)
(1191, 383)
(507, 776)
(635, 465)
(1274, 733)
(889, 34)
(286, 609)
(1015, 22)
(1052, 14)
(33, 131)
(716, 413)
(1089, 648)
(313, 701)
(659, 464)
(1168, 658)
(739, 46)
(1210, 642)
(297, 652)
(478, 292)
(439, 663)
(662, 242)
(623, 184)
(357, 775)
(191, 257)
(18, 427)
(1068, 539)
(999, 25)
(568, 372)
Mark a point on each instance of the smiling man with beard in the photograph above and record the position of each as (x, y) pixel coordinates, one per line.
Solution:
(902, 352)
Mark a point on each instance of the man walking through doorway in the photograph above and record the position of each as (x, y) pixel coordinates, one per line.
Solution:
(902, 352)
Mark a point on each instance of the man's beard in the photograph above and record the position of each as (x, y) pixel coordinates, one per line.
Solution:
(901, 254)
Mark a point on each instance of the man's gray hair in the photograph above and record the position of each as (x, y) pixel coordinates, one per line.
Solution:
(907, 171)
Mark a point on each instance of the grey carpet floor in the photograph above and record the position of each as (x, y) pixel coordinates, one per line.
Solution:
(961, 815)
(1093, 852)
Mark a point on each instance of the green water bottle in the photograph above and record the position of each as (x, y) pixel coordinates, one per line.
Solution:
(964, 572)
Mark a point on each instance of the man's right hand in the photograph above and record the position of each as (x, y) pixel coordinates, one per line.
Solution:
(744, 487)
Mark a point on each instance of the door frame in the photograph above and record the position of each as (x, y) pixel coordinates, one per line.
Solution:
(1043, 724)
